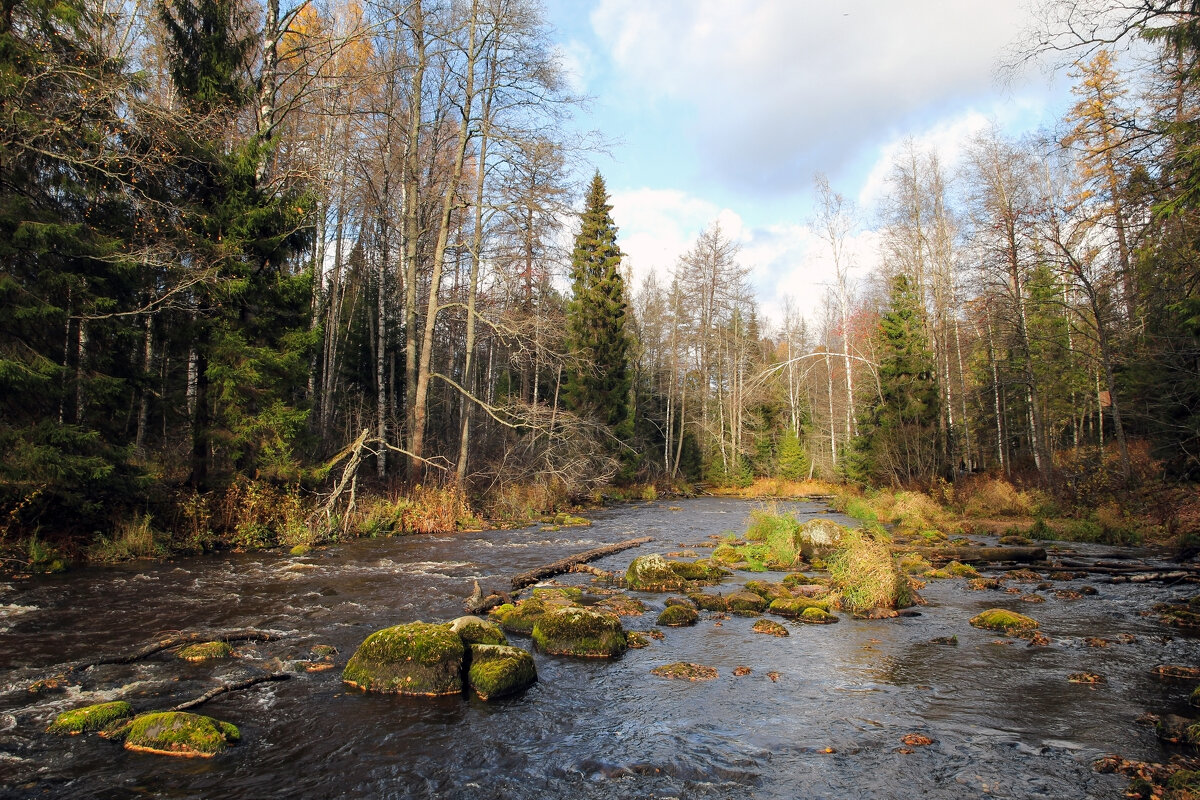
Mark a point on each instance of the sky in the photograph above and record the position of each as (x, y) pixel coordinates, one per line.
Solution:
(724, 110)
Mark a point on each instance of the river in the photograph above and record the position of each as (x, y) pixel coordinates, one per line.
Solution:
(1002, 717)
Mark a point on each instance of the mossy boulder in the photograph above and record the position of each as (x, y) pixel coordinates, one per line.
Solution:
(205, 651)
(178, 733)
(817, 616)
(702, 571)
(796, 606)
(678, 616)
(727, 554)
(797, 580)
(744, 602)
(681, 670)
(709, 602)
(558, 595)
(519, 618)
(679, 601)
(653, 573)
(623, 605)
(90, 718)
(473, 630)
(1004, 621)
(499, 671)
(768, 590)
(577, 631)
(818, 537)
(769, 627)
(414, 659)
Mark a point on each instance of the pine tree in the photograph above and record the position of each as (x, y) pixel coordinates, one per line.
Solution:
(599, 380)
(898, 437)
(791, 457)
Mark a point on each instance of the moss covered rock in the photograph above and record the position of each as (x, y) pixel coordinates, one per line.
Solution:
(90, 718)
(768, 590)
(958, 569)
(653, 573)
(744, 602)
(623, 605)
(678, 616)
(819, 537)
(795, 606)
(178, 733)
(1004, 621)
(577, 631)
(769, 627)
(816, 616)
(681, 670)
(205, 651)
(709, 602)
(473, 630)
(413, 659)
(519, 618)
(499, 671)
(702, 571)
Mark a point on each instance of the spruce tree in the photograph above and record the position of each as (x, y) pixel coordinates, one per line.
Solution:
(599, 379)
(898, 436)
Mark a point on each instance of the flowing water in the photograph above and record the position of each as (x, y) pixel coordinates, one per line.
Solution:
(1003, 719)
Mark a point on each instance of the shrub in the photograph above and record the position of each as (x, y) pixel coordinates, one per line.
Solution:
(132, 538)
(993, 497)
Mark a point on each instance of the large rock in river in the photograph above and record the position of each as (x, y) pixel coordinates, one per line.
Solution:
(413, 659)
(178, 733)
(473, 630)
(578, 631)
(653, 573)
(819, 537)
(498, 670)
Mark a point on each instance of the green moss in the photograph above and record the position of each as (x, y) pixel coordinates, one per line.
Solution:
(636, 640)
(678, 616)
(652, 573)
(767, 590)
(1004, 621)
(413, 659)
(499, 671)
(559, 595)
(519, 618)
(701, 571)
(473, 630)
(796, 606)
(623, 605)
(567, 521)
(684, 671)
(727, 554)
(817, 616)
(960, 570)
(300, 550)
(178, 733)
(206, 651)
(709, 602)
(1184, 780)
(746, 602)
(769, 627)
(800, 579)
(90, 718)
(580, 632)
(1194, 698)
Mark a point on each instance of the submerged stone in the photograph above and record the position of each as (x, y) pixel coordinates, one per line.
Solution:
(709, 602)
(414, 659)
(1004, 621)
(796, 606)
(580, 631)
(473, 630)
(206, 651)
(90, 718)
(653, 573)
(178, 733)
(681, 670)
(499, 670)
(676, 616)
(769, 627)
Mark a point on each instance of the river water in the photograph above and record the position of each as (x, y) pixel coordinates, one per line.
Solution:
(1002, 717)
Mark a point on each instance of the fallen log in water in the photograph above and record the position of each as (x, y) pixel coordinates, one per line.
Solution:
(230, 687)
(173, 641)
(1172, 576)
(973, 554)
(564, 565)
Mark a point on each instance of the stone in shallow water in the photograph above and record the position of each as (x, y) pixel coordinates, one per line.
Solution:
(178, 733)
(999, 619)
(577, 631)
(681, 670)
(499, 671)
(206, 651)
(473, 630)
(90, 718)
(413, 659)
(769, 627)
(652, 573)
(676, 616)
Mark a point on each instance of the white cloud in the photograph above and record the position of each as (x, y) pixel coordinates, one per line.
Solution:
(656, 226)
(782, 88)
(575, 60)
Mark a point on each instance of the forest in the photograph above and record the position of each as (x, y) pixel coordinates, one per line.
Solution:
(272, 274)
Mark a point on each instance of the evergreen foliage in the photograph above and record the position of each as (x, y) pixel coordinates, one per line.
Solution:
(791, 457)
(599, 379)
(898, 438)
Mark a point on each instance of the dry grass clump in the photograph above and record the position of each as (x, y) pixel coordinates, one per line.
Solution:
(523, 502)
(426, 509)
(133, 537)
(993, 497)
(778, 487)
(865, 575)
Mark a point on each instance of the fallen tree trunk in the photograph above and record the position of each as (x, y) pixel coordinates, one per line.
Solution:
(230, 687)
(1173, 576)
(971, 554)
(564, 565)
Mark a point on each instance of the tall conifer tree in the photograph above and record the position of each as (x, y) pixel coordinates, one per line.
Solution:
(599, 380)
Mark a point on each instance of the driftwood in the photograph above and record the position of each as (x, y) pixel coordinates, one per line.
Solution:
(174, 641)
(969, 554)
(603, 574)
(230, 687)
(564, 564)
(1173, 576)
